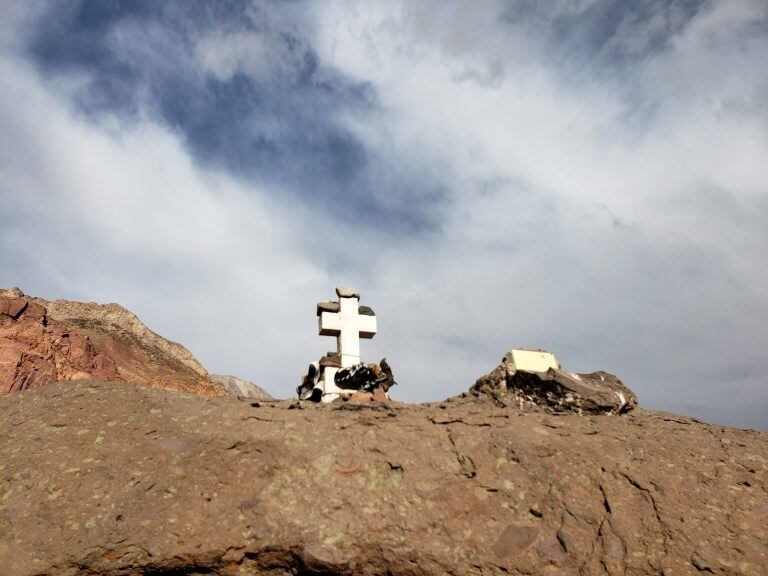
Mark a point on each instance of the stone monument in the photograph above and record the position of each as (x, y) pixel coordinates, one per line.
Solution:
(341, 374)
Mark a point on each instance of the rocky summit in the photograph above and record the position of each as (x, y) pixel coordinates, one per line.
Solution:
(111, 478)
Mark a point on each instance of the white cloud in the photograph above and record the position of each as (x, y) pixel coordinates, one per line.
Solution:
(125, 216)
(617, 220)
(635, 244)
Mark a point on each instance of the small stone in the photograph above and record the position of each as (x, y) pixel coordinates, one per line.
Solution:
(365, 311)
(327, 306)
(347, 292)
(361, 398)
(703, 562)
(514, 539)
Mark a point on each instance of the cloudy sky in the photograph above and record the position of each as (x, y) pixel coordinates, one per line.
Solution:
(585, 176)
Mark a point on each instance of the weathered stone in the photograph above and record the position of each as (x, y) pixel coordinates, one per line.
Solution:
(514, 539)
(239, 387)
(16, 307)
(113, 318)
(531, 360)
(361, 398)
(555, 390)
(365, 311)
(331, 359)
(43, 342)
(327, 306)
(36, 350)
(116, 479)
(347, 292)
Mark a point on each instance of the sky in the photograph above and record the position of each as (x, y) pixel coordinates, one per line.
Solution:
(589, 177)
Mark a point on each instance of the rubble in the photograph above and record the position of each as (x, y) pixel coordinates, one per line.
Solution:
(553, 390)
(373, 379)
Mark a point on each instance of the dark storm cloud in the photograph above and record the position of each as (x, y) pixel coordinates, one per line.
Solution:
(281, 126)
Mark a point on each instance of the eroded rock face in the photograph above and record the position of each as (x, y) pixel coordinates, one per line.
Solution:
(239, 387)
(43, 342)
(115, 479)
(116, 318)
(555, 390)
(37, 350)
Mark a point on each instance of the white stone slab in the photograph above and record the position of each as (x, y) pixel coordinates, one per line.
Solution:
(527, 360)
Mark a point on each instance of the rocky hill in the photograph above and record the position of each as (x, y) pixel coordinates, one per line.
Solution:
(239, 387)
(45, 341)
(111, 478)
(120, 454)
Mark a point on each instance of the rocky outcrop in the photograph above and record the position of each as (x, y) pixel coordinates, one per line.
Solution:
(36, 350)
(239, 387)
(113, 317)
(48, 341)
(554, 390)
(116, 479)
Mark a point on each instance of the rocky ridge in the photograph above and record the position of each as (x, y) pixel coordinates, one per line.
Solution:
(114, 316)
(44, 341)
(239, 387)
(111, 478)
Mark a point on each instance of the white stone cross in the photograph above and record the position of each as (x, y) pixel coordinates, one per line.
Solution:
(348, 325)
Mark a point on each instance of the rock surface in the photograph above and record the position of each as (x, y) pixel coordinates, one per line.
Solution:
(555, 390)
(114, 316)
(48, 341)
(114, 479)
(239, 387)
(36, 350)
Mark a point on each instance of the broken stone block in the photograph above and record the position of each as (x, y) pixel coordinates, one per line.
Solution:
(347, 292)
(365, 311)
(327, 306)
(331, 359)
(554, 390)
(531, 360)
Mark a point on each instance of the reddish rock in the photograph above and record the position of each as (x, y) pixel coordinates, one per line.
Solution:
(43, 342)
(16, 307)
(35, 350)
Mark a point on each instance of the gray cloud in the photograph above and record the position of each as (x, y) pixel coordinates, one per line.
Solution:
(241, 84)
(584, 178)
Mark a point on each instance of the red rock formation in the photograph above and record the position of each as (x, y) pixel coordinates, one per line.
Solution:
(36, 350)
(43, 342)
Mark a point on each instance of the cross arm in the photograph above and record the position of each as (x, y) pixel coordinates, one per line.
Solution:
(367, 326)
(329, 324)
